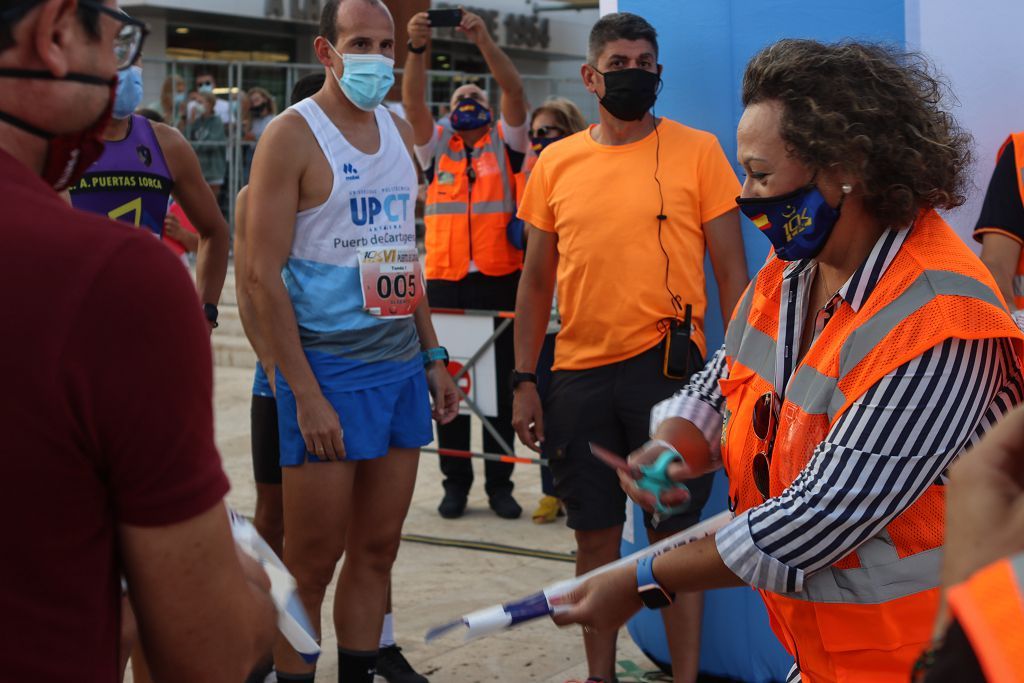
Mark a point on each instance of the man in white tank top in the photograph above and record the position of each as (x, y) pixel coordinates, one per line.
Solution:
(334, 276)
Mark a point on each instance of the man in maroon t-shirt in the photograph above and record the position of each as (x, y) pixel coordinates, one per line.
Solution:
(108, 461)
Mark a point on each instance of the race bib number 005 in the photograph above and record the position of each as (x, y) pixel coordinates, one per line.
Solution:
(392, 281)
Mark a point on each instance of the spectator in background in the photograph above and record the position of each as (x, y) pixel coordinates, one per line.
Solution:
(172, 102)
(557, 118)
(471, 200)
(262, 110)
(206, 129)
(206, 83)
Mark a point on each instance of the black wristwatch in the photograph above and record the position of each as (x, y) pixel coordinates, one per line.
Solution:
(416, 50)
(520, 377)
(210, 311)
(652, 593)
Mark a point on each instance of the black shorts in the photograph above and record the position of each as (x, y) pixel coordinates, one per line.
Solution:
(266, 446)
(609, 405)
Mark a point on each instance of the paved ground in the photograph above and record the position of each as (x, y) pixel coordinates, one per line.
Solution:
(432, 584)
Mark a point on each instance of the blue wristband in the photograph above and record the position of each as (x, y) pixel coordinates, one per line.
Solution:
(434, 354)
(652, 594)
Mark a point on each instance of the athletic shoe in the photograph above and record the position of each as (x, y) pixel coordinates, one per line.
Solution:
(505, 506)
(393, 667)
(548, 510)
(452, 505)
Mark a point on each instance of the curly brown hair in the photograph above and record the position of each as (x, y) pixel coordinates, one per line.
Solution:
(873, 111)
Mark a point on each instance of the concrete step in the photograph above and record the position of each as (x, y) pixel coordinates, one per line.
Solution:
(227, 295)
(231, 351)
(229, 321)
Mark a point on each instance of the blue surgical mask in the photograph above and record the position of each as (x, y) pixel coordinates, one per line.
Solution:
(179, 98)
(365, 79)
(798, 224)
(205, 87)
(469, 115)
(129, 92)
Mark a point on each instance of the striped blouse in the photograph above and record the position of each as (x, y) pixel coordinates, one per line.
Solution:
(879, 457)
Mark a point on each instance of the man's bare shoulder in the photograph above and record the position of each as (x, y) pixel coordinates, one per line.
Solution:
(172, 143)
(404, 128)
(288, 132)
(167, 136)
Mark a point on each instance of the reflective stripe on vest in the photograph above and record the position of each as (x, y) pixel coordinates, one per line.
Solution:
(882, 576)
(990, 607)
(818, 393)
(460, 208)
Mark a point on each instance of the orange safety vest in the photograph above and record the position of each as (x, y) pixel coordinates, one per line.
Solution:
(1018, 163)
(868, 616)
(990, 607)
(467, 221)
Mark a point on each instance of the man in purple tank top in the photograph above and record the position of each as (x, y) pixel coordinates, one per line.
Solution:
(143, 164)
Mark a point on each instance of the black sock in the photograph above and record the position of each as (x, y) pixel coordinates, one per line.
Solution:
(296, 678)
(356, 667)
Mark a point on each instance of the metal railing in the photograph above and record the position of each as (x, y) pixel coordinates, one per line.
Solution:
(279, 78)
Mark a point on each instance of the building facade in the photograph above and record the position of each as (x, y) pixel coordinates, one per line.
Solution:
(269, 44)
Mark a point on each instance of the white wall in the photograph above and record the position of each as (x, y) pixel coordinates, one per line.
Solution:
(976, 44)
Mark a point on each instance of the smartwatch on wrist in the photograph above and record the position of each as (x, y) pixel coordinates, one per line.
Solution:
(435, 354)
(652, 593)
(520, 377)
(210, 311)
(416, 50)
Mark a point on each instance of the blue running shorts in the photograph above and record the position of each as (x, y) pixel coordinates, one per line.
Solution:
(393, 415)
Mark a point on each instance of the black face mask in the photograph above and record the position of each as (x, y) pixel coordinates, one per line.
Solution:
(629, 94)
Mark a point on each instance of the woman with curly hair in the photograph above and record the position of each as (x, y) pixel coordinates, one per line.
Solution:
(869, 352)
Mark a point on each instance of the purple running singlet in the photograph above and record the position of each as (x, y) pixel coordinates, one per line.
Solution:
(130, 182)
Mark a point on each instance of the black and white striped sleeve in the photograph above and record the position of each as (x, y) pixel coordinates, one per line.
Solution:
(700, 402)
(877, 459)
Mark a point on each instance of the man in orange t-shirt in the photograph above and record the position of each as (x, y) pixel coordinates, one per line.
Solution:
(624, 212)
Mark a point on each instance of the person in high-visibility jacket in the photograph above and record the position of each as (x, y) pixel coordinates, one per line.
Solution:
(978, 638)
(471, 263)
(871, 349)
(1000, 227)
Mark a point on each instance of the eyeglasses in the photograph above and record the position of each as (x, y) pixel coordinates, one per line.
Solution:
(547, 132)
(765, 423)
(129, 40)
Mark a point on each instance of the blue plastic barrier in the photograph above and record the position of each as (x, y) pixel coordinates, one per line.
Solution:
(736, 641)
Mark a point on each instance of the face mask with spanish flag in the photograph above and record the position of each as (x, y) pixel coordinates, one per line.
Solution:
(798, 224)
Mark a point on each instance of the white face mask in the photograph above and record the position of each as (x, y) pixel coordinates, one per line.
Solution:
(366, 79)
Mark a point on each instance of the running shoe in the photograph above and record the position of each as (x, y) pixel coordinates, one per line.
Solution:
(548, 510)
(393, 667)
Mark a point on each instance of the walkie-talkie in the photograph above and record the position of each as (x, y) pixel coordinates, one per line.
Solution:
(677, 347)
